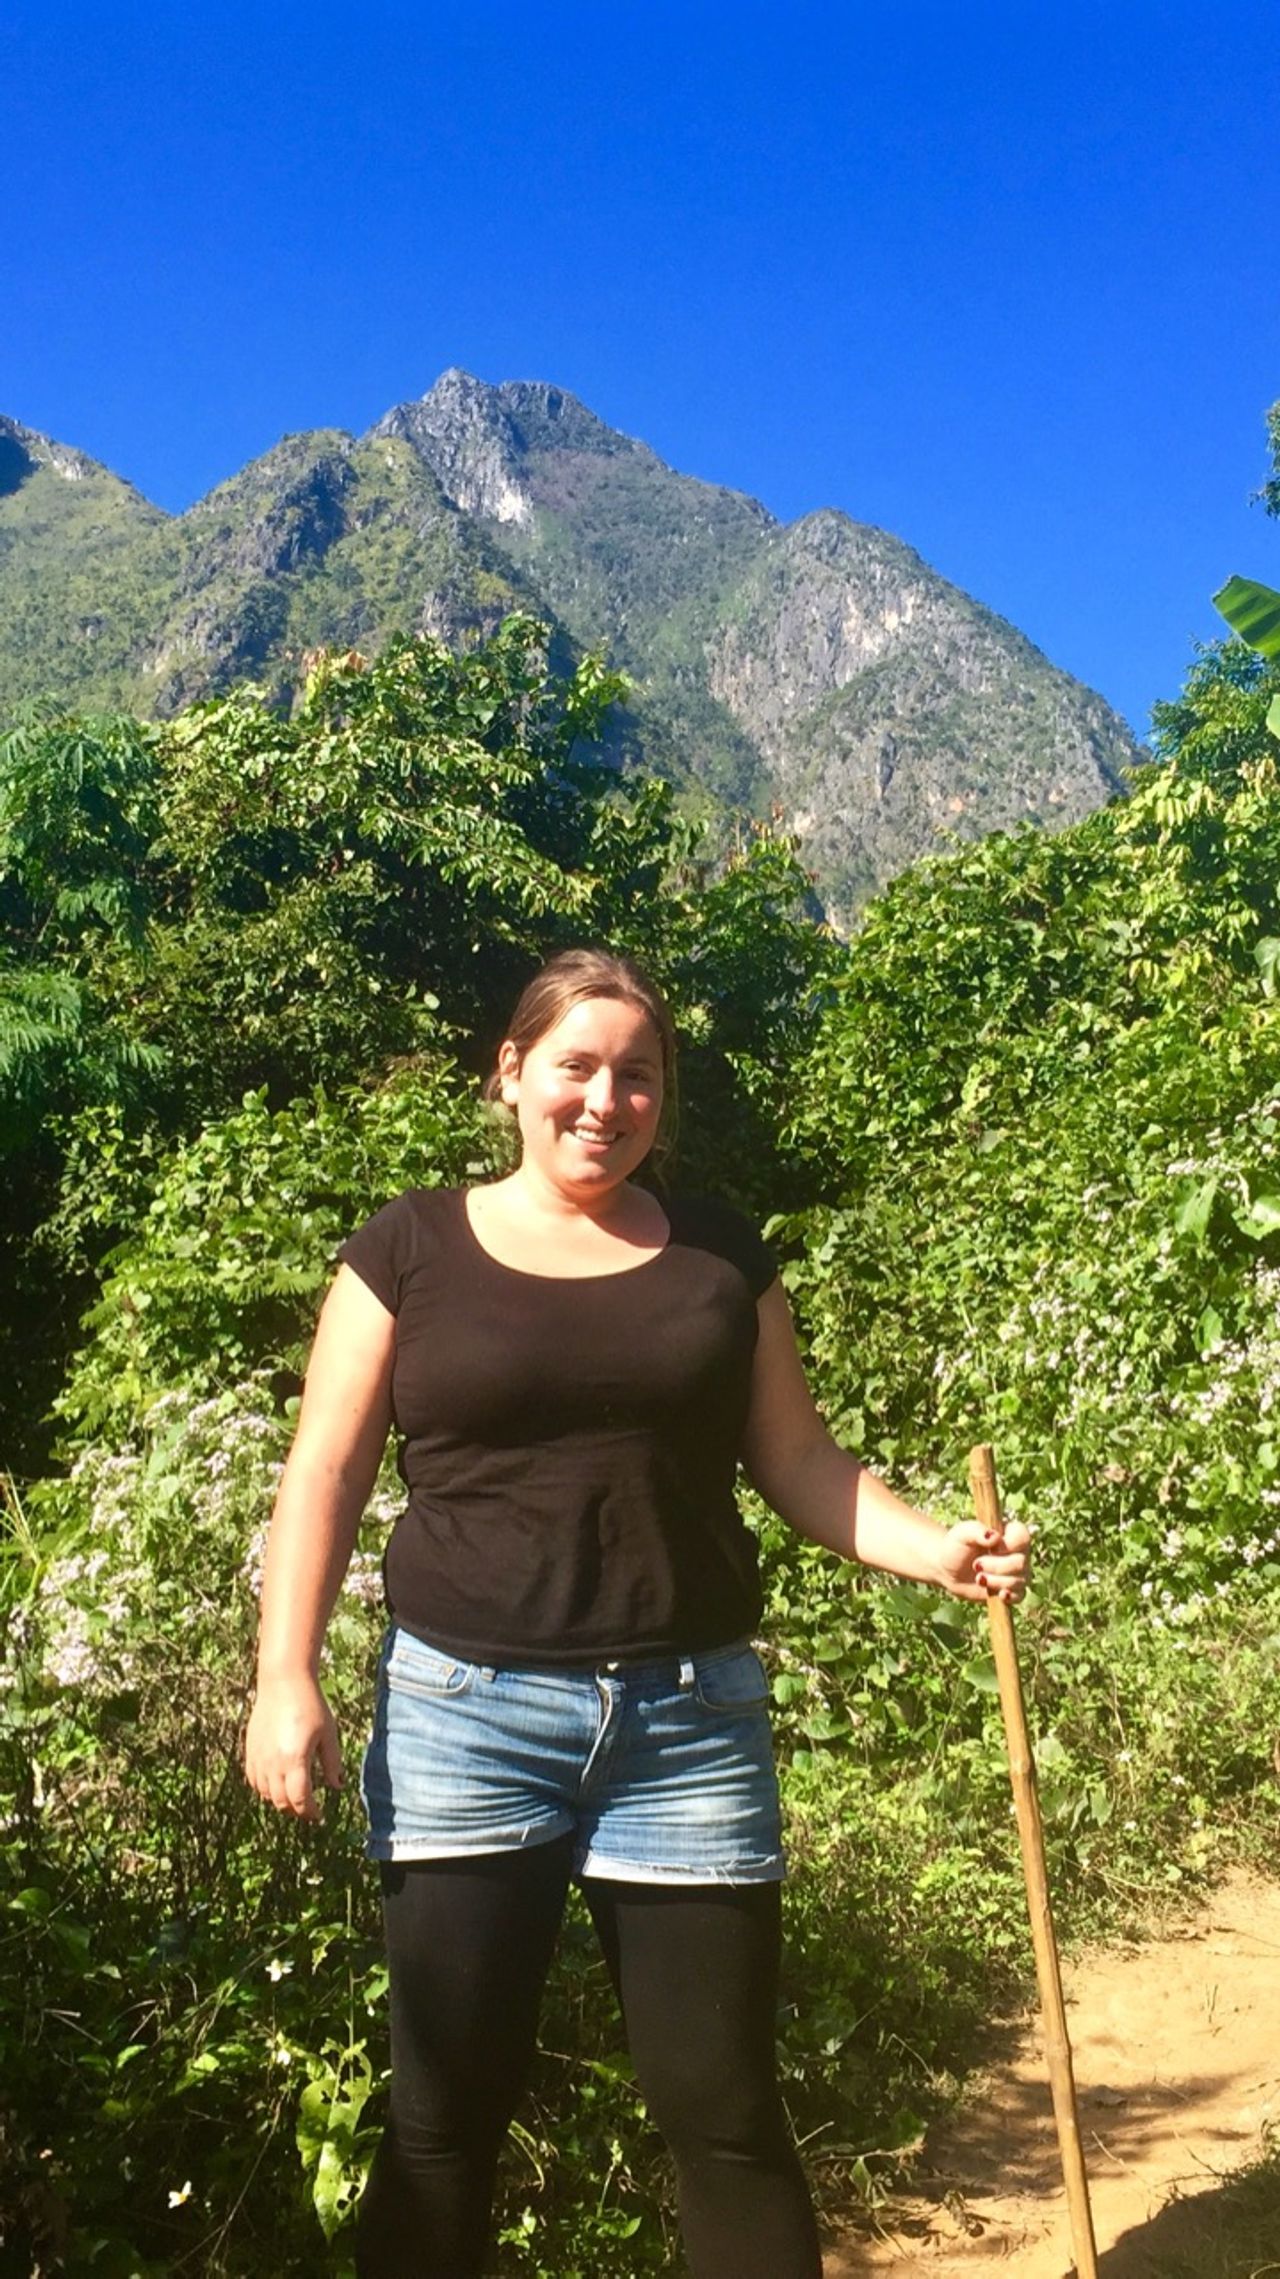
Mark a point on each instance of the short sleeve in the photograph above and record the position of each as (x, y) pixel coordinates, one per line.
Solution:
(382, 1250)
(708, 1224)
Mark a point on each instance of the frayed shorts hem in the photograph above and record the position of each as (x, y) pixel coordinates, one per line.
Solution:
(589, 1869)
(406, 1848)
(635, 1871)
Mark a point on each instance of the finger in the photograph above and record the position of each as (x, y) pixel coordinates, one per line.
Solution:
(1017, 1535)
(298, 1793)
(973, 1531)
(275, 1790)
(260, 1781)
(1006, 1586)
(1001, 1563)
(331, 1757)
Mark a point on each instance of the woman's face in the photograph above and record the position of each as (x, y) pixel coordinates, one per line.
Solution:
(588, 1095)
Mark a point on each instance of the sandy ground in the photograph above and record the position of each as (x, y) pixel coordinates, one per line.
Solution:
(1177, 2063)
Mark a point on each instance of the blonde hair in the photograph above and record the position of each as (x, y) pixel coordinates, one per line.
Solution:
(567, 980)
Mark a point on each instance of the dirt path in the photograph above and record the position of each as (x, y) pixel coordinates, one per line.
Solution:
(1177, 2061)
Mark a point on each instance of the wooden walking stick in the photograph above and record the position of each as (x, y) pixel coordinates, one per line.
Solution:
(1022, 1773)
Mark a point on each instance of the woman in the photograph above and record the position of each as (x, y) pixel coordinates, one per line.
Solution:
(567, 1689)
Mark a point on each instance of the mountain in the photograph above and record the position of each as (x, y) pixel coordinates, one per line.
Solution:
(819, 668)
(85, 565)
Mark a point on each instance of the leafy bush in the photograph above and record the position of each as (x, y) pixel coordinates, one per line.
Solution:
(227, 1270)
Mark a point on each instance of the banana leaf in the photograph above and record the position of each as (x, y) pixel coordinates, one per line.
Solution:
(1252, 611)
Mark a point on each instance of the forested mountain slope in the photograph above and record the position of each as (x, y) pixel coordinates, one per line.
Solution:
(820, 667)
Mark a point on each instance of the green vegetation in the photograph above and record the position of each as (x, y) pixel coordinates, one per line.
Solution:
(85, 564)
(1017, 1144)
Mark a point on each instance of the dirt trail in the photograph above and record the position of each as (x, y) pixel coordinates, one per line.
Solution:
(1177, 2062)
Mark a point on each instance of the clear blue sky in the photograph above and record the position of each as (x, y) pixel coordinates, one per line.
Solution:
(1004, 280)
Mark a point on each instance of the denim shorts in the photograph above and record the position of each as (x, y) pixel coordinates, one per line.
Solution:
(662, 1771)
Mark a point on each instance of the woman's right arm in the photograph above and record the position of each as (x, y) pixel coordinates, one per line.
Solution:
(342, 1431)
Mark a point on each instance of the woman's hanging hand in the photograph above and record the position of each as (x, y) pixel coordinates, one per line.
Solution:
(291, 1735)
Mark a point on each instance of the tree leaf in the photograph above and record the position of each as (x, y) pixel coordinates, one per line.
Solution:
(981, 1674)
(1266, 954)
(1194, 1212)
(1262, 1217)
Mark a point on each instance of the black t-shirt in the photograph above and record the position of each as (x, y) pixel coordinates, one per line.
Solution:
(570, 1446)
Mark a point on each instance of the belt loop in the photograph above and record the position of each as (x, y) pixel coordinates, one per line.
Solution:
(487, 1674)
(687, 1673)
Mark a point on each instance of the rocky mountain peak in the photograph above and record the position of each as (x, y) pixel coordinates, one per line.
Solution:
(480, 441)
(24, 449)
(466, 436)
(547, 418)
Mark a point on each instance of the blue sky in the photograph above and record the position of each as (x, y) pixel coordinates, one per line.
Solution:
(1004, 281)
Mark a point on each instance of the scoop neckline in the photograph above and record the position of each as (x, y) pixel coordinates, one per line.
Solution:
(529, 1274)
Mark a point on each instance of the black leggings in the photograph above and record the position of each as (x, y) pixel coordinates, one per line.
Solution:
(469, 1942)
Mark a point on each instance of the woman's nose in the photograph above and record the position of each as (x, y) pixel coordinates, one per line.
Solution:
(601, 1095)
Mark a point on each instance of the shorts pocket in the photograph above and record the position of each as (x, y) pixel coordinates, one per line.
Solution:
(415, 1668)
(731, 1682)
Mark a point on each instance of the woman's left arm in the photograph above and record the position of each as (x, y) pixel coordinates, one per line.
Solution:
(825, 1493)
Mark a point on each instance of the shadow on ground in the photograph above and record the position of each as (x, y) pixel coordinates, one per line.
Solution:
(1230, 2233)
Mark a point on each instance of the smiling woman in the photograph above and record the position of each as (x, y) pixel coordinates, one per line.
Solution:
(568, 1688)
(595, 1078)
(588, 1096)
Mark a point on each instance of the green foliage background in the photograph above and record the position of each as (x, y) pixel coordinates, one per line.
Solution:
(1016, 1144)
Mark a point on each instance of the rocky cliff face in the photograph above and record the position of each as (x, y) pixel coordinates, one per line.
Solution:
(893, 711)
(819, 667)
(462, 432)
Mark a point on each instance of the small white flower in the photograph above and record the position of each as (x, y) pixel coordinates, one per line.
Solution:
(179, 2199)
(277, 1970)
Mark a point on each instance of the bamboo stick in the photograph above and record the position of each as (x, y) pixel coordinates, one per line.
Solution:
(1022, 1773)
